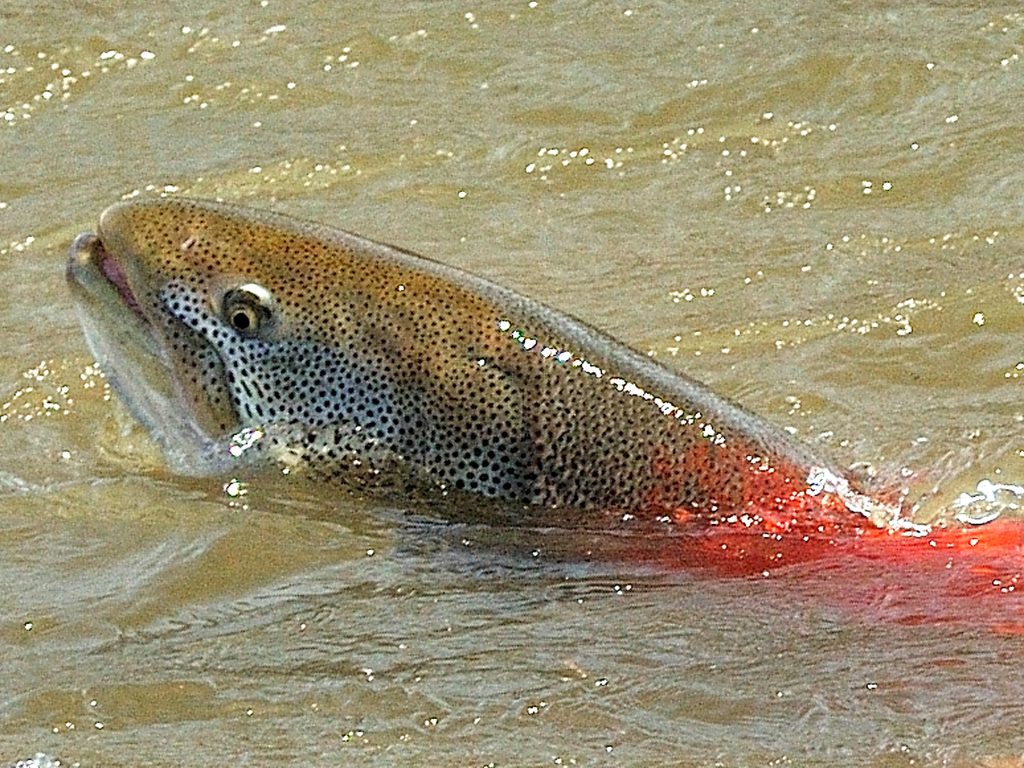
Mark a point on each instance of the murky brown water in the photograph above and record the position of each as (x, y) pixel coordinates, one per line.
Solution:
(814, 207)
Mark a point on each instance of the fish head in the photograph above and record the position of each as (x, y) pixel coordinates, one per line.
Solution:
(201, 320)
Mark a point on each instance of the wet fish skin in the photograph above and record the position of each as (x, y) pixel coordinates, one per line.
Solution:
(238, 335)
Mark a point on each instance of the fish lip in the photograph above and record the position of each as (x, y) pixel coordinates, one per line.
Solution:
(92, 267)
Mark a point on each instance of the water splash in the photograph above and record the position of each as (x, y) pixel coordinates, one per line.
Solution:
(882, 514)
(245, 439)
(988, 502)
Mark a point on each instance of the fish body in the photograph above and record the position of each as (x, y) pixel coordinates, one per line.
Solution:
(239, 335)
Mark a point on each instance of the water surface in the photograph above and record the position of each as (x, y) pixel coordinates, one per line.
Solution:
(814, 208)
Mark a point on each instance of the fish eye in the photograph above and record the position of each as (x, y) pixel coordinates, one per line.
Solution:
(248, 308)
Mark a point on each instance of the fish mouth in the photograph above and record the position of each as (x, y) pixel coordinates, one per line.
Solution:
(127, 342)
(90, 263)
(102, 291)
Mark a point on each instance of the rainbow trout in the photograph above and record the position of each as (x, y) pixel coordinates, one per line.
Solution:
(242, 337)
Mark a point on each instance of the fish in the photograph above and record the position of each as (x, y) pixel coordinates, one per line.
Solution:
(245, 338)
(238, 335)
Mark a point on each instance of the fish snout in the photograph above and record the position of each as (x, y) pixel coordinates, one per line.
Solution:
(86, 250)
(85, 253)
